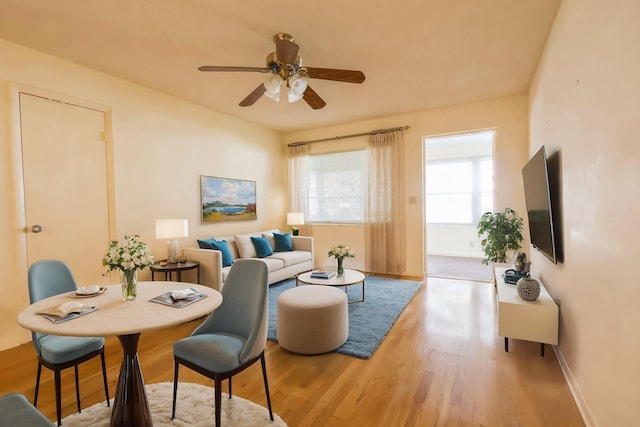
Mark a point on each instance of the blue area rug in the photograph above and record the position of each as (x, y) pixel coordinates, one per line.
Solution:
(369, 321)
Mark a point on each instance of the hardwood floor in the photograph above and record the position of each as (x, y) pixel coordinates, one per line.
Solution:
(442, 364)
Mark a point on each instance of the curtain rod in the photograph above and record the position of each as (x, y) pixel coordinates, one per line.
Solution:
(373, 132)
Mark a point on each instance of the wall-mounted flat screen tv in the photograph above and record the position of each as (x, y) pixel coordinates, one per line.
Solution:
(535, 176)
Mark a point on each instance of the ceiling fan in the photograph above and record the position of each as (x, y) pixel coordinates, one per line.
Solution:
(284, 67)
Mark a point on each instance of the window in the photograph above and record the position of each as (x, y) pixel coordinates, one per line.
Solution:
(459, 191)
(337, 187)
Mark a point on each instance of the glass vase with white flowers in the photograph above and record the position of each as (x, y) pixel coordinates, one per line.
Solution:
(340, 252)
(128, 256)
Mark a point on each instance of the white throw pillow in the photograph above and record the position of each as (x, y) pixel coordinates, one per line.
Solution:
(245, 245)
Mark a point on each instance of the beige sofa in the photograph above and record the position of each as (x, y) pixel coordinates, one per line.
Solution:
(281, 265)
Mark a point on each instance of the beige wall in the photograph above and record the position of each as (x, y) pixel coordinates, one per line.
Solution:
(508, 116)
(584, 107)
(161, 147)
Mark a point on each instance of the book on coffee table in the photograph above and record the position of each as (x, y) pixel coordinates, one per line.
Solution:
(322, 274)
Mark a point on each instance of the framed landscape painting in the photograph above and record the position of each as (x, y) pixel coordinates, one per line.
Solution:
(226, 199)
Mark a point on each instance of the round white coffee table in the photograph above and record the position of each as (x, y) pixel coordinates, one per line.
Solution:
(351, 277)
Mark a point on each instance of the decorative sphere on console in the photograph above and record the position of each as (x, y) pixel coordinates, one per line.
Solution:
(528, 288)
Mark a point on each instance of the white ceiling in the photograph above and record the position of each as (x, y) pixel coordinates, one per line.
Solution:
(416, 54)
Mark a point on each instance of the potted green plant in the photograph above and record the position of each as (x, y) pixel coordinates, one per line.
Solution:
(502, 232)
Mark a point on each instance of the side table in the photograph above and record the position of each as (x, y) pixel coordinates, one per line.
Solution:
(178, 267)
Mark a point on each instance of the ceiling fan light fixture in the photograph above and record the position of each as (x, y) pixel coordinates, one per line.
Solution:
(295, 88)
(274, 96)
(285, 65)
(272, 85)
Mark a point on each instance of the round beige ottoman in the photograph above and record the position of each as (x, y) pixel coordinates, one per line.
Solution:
(312, 319)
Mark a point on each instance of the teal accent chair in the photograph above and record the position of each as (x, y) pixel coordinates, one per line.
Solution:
(15, 410)
(234, 336)
(48, 278)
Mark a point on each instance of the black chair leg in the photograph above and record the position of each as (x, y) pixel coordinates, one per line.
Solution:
(266, 384)
(75, 370)
(58, 396)
(230, 387)
(175, 390)
(218, 403)
(104, 377)
(35, 395)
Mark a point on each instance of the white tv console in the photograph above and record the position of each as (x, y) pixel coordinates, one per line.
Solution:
(535, 321)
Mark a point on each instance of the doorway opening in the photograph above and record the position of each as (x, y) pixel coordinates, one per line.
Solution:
(459, 189)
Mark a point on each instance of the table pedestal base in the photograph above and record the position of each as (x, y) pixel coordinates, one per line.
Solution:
(130, 405)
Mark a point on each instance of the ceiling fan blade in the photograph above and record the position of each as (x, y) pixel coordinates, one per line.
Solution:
(223, 68)
(253, 96)
(348, 76)
(313, 99)
(286, 51)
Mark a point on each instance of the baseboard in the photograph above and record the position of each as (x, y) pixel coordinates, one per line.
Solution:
(583, 407)
(395, 276)
(458, 254)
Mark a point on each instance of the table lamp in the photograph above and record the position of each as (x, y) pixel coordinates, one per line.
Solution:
(172, 229)
(294, 219)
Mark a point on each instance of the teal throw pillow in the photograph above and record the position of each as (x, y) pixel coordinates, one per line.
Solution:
(205, 243)
(218, 245)
(262, 245)
(282, 242)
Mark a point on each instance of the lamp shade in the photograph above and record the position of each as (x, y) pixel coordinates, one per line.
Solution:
(272, 86)
(171, 228)
(297, 86)
(295, 218)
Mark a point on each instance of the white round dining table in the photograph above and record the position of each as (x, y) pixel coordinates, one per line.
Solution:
(127, 320)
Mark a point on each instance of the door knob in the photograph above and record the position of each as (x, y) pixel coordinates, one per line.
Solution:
(36, 228)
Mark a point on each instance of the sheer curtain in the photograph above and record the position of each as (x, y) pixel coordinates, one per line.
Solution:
(385, 214)
(298, 178)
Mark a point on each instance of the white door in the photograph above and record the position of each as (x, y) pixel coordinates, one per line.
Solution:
(64, 156)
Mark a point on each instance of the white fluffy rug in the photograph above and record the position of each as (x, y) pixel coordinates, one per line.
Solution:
(195, 407)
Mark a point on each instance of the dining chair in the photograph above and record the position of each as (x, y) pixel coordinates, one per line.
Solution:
(15, 410)
(233, 337)
(48, 278)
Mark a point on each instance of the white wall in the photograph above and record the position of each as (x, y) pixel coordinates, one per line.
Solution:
(454, 240)
(162, 146)
(584, 108)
